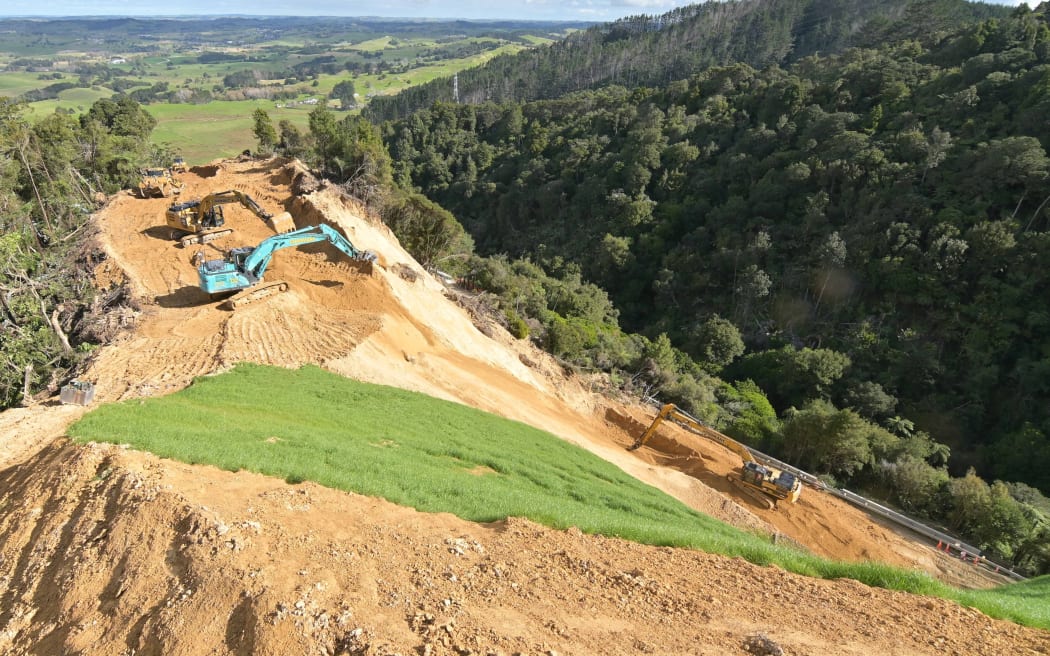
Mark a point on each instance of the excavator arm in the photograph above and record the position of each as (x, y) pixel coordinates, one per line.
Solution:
(233, 196)
(758, 479)
(649, 432)
(693, 425)
(260, 257)
(244, 268)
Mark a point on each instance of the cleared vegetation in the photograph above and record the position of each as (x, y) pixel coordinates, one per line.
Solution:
(437, 456)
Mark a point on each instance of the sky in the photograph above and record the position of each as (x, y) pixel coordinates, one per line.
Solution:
(586, 10)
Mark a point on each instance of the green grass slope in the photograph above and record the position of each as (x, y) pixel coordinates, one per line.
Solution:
(1027, 602)
(221, 128)
(437, 456)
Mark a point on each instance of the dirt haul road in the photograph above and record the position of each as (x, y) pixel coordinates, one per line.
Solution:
(109, 551)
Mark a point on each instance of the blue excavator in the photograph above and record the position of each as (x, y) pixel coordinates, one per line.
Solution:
(242, 269)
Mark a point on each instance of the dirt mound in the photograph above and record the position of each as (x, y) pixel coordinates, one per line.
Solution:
(205, 170)
(117, 552)
(104, 551)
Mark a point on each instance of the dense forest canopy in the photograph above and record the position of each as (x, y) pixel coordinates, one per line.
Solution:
(888, 203)
(654, 50)
(851, 246)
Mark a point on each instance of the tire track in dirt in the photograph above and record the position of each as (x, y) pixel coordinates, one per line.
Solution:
(297, 327)
(147, 367)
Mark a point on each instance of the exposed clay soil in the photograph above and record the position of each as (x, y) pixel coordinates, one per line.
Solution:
(110, 551)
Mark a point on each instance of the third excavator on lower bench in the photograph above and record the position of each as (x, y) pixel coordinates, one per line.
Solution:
(764, 483)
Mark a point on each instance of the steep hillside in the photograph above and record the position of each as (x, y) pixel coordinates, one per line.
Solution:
(654, 50)
(104, 550)
(887, 207)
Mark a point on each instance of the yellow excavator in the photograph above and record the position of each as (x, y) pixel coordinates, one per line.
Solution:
(201, 221)
(764, 483)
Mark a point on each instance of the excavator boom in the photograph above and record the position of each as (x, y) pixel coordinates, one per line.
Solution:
(201, 219)
(243, 268)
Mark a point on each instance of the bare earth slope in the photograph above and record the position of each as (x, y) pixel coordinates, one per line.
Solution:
(108, 551)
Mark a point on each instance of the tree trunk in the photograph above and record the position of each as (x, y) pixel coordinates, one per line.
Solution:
(25, 384)
(36, 191)
(56, 325)
(1035, 214)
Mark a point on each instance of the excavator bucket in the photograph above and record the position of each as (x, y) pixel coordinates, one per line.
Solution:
(281, 223)
(364, 265)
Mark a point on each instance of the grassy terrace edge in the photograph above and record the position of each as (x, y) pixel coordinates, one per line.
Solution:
(438, 456)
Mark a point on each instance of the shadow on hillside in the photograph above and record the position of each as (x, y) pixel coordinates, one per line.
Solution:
(163, 233)
(206, 170)
(187, 296)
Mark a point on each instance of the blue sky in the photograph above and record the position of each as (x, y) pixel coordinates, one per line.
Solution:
(595, 10)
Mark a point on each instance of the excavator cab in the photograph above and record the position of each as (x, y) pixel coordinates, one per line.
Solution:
(786, 482)
(754, 473)
(213, 218)
(198, 220)
(238, 256)
(184, 216)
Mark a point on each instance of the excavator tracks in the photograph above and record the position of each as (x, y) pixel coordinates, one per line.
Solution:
(253, 294)
(753, 494)
(204, 237)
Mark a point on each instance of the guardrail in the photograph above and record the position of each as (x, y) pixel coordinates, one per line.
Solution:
(945, 542)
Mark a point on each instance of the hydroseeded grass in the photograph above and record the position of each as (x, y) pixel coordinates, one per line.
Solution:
(437, 456)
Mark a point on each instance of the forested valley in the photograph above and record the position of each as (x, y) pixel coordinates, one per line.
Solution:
(859, 239)
(836, 258)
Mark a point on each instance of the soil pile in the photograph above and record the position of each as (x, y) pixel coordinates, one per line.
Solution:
(117, 552)
(107, 551)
